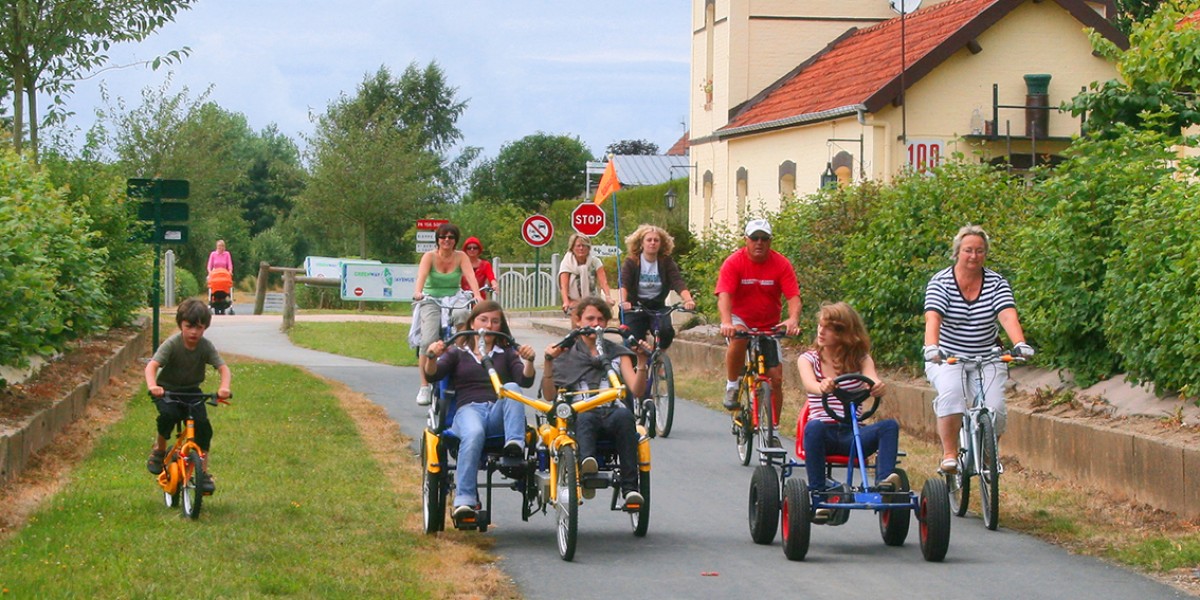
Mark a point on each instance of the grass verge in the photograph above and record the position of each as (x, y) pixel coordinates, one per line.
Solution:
(313, 500)
(1083, 520)
(384, 343)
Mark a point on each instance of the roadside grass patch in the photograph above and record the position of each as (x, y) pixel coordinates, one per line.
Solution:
(303, 508)
(384, 343)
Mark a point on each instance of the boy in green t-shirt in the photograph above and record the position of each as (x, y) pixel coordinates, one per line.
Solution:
(179, 366)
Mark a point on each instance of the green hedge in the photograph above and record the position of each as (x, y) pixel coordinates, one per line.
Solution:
(50, 265)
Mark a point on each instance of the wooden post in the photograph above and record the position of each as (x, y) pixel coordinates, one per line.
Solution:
(260, 290)
(289, 301)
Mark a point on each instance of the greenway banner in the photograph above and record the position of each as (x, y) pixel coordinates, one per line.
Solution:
(378, 282)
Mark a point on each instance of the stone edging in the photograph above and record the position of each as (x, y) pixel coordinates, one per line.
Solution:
(39, 430)
(1161, 473)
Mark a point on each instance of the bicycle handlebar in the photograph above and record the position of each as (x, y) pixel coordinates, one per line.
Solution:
(777, 333)
(997, 354)
(190, 398)
(481, 333)
(666, 310)
(570, 337)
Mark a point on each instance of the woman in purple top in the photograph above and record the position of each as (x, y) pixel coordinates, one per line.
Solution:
(480, 413)
(220, 259)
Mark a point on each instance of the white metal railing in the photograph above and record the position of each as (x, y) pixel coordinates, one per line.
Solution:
(526, 285)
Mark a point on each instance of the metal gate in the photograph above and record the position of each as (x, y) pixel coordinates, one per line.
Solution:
(527, 285)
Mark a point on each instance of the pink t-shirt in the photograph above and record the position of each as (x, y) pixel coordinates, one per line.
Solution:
(757, 289)
(220, 260)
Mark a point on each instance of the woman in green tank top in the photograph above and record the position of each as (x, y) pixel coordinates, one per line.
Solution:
(438, 276)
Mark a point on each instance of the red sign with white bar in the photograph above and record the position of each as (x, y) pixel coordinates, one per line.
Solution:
(431, 224)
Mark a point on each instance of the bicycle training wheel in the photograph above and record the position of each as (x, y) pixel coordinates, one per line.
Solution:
(190, 493)
(567, 503)
(989, 475)
(664, 394)
(743, 424)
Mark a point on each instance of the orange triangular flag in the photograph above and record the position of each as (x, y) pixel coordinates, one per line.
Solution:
(608, 183)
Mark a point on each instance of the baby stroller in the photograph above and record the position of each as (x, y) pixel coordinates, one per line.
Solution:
(220, 291)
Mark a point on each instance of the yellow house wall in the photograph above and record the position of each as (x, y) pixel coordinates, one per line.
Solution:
(1034, 38)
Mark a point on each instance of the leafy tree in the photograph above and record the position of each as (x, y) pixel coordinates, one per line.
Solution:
(628, 147)
(533, 170)
(372, 177)
(46, 45)
(274, 177)
(1160, 77)
(1130, 12)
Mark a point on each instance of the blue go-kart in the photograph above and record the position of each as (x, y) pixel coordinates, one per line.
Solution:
(775, 491)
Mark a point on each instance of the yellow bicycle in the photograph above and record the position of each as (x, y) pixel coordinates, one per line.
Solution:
(548, 474)
(183, 467)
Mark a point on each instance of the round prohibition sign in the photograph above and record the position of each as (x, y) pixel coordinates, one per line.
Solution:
(537, 231)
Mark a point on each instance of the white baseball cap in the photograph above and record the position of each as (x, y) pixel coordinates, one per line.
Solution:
(758, 225)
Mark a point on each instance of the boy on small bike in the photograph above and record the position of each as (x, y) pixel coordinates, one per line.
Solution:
(179, 366)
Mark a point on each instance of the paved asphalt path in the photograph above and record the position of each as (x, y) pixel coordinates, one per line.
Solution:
(699, 545)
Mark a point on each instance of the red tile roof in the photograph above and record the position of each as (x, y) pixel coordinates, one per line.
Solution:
(1192, 18)
(681, 146)
(861, 69)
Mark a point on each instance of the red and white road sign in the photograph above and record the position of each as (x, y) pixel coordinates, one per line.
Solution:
(537, 231)
(588, 219)
(358, 291)
(430, 224)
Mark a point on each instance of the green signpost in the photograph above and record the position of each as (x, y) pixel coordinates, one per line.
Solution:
(159, 213)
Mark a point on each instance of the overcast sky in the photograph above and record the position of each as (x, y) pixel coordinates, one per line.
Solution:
(604, 72)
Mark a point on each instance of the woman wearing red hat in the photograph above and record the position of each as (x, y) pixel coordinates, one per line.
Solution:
(483, 269)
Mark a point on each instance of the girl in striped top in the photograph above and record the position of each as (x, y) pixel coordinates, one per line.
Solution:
(842, 346)
(963, 302)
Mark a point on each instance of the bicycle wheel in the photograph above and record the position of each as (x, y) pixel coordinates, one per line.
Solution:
(190, 493)
(989, 475)
(766, 414)
(640, 518)
(664, 394)
(764, 504)
(797, 519)
(933, 513)
(433, 496)
(959, 483)
(567, 503)
(743, 424)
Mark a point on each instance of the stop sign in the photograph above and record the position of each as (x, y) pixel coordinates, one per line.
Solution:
(588, 219)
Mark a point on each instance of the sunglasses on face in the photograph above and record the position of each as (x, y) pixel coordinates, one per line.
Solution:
(472, 248)
(448, 237)
(760, 237)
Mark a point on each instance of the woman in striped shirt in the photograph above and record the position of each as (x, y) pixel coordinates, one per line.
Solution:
(963, 303)
(842, 346)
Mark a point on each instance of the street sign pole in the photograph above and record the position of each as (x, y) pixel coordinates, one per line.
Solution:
(537, 273)
(155, 190)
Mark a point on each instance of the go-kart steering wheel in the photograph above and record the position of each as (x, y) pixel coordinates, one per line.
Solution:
(850, 399)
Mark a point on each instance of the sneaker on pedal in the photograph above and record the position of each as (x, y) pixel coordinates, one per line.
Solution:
(949, 465)
(513, 449)
(730, 402)
(775, 443)
(633, 497)
(463, 512)
(588, 466)
(207, 484)
(891, 483)
(425, 395)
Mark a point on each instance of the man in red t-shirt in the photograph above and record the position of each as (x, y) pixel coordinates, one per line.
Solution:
(749, 287)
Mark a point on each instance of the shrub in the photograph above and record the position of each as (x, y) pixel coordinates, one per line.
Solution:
(48, 265)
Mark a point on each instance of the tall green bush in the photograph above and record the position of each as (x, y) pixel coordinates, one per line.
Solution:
(907, 240)
(1066, 248)
(1151, 314)
(48, 265)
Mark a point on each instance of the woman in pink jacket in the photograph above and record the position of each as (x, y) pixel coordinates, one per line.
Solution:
(220, 259)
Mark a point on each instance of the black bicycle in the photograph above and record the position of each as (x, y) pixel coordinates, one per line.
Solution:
(660, 382)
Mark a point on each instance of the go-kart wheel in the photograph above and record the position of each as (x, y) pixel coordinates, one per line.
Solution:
(797, 519)
(764, 504)
(433, 496)
(640, 519)
(933, 513)
(893, 523)
(567, 503)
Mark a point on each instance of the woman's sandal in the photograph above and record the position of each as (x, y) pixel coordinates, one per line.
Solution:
(949, 465)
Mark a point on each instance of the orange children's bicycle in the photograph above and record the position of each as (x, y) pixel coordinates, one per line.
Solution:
(183, 468)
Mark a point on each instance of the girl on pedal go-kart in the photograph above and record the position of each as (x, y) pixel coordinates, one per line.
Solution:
(479, 413)
(438, 276)
(577, 369)
(842, 346)
(648, 275)
(962, 304)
